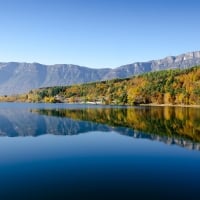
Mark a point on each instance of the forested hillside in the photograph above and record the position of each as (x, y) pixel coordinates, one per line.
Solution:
(19, 78)
(162, 87)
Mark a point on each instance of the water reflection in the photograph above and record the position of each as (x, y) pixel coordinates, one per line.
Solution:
(99, 164)
(170, 125)
(180, 126)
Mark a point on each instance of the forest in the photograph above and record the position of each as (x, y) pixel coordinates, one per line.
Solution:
(175, 87)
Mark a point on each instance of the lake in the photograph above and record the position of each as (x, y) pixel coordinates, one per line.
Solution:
(63, 151)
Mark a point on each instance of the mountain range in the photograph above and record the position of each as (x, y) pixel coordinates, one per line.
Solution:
(17, 78)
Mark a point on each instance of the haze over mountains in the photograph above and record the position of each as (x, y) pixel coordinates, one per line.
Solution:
(16, 78)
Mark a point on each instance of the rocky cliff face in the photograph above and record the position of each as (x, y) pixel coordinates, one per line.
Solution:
(18, 78)
(182, 61)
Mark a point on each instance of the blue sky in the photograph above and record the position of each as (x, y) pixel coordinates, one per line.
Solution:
(97, 33)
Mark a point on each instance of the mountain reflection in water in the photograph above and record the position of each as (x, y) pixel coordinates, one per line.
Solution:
(171, 125)
(180, 126)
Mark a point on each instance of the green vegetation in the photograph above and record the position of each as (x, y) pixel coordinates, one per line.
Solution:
(162, 87)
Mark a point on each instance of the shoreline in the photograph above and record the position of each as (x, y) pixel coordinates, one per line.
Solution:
(171, 105)
(97, 103)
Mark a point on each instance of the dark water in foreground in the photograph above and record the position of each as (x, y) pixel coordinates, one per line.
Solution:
(91, 152)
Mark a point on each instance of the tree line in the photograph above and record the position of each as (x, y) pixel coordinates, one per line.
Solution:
(161, 87)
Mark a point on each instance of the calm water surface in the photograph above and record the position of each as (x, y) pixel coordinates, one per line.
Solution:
(59, 151)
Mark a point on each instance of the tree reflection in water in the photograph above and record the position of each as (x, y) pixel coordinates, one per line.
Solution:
(172, 125)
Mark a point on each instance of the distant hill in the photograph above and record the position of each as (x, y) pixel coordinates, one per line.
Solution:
(16, 78)
(174, 86)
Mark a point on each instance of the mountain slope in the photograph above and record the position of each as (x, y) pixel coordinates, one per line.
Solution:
(172, 62)
(18, 78)
(161, 87)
